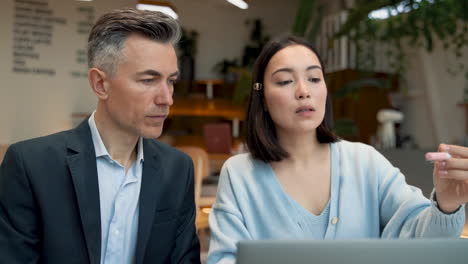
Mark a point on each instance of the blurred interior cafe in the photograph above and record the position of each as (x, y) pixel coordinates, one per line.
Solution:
(400, 88)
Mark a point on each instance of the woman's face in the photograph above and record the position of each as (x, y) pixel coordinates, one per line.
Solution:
(295, 90)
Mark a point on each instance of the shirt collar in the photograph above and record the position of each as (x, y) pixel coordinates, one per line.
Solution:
(140, 150)
(99, 146)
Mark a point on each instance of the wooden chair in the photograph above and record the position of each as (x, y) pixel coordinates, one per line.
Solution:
(201, 166)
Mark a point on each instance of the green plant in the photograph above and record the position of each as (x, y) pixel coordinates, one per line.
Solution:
(243, 71)
(187, 51)
(242, 88)
(414, 23)
(352, 88)
(251, 51)
(345, 128)
(256, 42)
(223, 67)
(308, 19)
(188, 43)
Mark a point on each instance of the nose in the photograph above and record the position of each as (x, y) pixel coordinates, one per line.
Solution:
(164, 95)
(302, 90)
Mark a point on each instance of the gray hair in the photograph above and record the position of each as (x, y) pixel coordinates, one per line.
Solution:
(110, 32)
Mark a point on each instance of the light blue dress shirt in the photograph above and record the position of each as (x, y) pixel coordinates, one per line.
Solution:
(119, 194)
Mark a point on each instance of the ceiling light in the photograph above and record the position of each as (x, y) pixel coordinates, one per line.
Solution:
(239, 3)
(161, 6)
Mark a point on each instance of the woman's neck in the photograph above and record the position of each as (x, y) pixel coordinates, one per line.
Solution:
(303, 148)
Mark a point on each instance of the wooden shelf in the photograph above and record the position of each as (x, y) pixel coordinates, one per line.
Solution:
(207, 107)
(196, 141)
(194, 106)
(199, 107)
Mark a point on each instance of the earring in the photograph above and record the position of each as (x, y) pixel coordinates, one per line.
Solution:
(257, 86)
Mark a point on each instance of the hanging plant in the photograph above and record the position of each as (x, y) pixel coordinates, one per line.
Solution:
(416, 23)
(308, 19)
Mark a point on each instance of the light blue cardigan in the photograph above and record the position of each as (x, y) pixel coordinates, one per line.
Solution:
(369, 199)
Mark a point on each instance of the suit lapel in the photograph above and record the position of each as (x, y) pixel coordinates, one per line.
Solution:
(82, 164)
(150, 189)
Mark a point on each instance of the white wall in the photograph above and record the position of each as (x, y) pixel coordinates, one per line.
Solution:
(33, 105)
(432, 112)
(36, 105)
(223, 33)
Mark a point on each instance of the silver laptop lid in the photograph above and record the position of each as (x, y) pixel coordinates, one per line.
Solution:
(368, 251)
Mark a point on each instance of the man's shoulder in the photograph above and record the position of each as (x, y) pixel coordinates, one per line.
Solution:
(53, 140)
(164, 150)
(50, 149)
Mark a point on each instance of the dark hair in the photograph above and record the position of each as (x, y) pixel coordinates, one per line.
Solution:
(109, 33)
(261, 137)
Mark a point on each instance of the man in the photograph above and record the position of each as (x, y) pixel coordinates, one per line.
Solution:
(105, 192)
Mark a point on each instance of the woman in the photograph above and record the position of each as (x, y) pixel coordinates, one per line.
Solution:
(300, 181)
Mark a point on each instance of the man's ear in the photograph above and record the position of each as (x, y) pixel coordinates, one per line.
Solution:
(97, 80)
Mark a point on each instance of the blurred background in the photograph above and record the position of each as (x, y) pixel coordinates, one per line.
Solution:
(397, 72)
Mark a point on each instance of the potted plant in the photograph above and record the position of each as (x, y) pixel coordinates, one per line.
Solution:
(187, 51)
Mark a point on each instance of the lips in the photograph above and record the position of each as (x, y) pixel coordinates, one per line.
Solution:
(305, 108)
(157, 116)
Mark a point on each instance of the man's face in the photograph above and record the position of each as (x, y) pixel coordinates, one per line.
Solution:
(140, 91)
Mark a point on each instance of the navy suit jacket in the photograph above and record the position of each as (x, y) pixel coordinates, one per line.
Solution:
(49, 203)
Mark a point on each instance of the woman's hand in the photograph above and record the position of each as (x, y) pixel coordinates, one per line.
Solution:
(451, 178)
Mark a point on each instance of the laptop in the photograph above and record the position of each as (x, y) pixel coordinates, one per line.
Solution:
(366, 251)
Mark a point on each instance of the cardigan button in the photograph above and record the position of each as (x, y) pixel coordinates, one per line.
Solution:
(334, 220)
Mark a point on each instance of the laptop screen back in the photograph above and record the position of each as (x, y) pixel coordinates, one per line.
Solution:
(411, 251)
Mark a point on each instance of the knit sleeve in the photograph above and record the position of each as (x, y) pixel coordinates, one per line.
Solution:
(406, 213)
(226, 221)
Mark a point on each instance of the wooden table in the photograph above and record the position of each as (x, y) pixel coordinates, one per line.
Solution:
(209, 83)
(209, 107)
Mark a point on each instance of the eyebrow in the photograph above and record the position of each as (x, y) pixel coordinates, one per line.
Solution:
(291, 70)
(156, 73)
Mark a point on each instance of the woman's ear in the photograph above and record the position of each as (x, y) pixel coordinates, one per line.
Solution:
(97, 80)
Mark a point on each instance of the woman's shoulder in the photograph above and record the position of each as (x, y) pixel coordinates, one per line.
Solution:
(356, 154)
(239, 159)
(243, 161)
(354, 148)
(243, 167)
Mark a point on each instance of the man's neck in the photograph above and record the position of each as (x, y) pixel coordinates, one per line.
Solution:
(121, 146)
